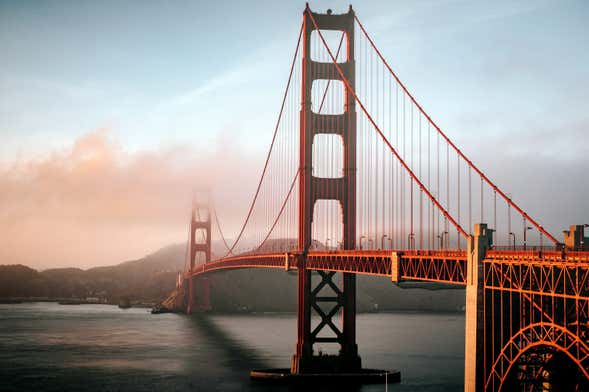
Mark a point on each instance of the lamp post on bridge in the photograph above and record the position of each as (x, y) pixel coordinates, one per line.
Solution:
(362, 238)
(327, 243)
(582, 242)
(410, 240)
(382, 240)
(526, 228)
(512, 234)
(370, 241)
(441, 237)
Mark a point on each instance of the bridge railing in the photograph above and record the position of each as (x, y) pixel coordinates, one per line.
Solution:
(544, 255)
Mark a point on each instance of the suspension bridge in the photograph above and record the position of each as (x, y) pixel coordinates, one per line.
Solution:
(359, 179)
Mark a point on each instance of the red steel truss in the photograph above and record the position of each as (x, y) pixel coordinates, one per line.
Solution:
(536, 303)
(431, 266)
(529, 309)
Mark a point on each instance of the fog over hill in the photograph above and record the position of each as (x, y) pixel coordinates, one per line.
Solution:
(151, 278)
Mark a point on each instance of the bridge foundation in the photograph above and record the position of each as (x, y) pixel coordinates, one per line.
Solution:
(304, 361)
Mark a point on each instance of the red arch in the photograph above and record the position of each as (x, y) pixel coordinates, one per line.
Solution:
(583, 348)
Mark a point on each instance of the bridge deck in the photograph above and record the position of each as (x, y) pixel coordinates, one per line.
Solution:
(447, 266)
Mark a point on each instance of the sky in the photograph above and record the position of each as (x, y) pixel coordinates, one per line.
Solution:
(112, 112)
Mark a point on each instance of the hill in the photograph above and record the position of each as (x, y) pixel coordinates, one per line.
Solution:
(145, 280)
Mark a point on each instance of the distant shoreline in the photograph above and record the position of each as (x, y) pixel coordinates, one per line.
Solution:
(142, 305)
(68, 301)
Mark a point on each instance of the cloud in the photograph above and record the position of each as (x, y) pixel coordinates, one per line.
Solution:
(95, 204)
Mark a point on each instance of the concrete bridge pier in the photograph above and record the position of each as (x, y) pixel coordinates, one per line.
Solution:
(478, 244)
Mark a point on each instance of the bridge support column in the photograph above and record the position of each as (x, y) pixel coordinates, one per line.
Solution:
(349, 348)
(311, 297)
(309, 300)
(301, 360)
(478, 244)
(199, 244)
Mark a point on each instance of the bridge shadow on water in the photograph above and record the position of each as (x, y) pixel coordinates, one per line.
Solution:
(236, 352)
(240, 358)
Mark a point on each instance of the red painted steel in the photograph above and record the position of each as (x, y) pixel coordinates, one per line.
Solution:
(431, 266)
(540, 283)
(198, 222)
(447, 266)
(311, 189)
(536, 306)
(386, 141)
(535, 302)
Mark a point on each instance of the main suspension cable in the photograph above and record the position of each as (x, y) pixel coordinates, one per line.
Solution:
(294, 181)
(383, 137)
(458, 151)
(251, 208)
(219, 228)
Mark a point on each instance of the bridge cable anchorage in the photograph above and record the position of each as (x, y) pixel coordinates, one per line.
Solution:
(383, 137)
(251, 208)
(447, 139)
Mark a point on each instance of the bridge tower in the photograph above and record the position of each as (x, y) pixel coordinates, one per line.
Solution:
(312, 189)
(199, 245)
(474, 341)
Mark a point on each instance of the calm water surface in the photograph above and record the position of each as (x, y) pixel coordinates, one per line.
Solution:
(46, 346)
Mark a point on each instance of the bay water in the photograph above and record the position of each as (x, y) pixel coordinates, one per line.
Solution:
(52, 347)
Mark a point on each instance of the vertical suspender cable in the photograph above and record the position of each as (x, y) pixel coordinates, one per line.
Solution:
(458, 151)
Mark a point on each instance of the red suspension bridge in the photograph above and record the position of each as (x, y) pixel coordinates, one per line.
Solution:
(359, 179)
